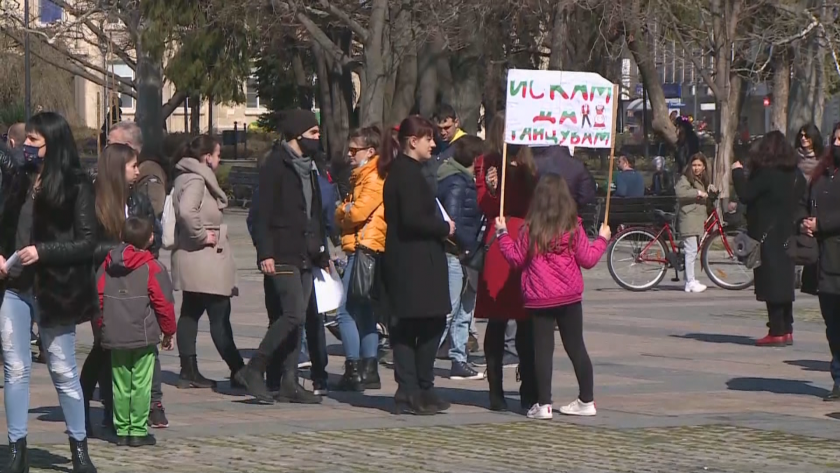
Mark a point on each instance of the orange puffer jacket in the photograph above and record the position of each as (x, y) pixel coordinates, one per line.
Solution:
(365, 219)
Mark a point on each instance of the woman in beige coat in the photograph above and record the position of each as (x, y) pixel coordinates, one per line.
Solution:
(692, 192)
(202, 261)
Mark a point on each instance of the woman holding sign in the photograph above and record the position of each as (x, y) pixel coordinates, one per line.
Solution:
(499, 295)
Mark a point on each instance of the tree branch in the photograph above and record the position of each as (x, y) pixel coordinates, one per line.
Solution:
(103, 37)
(354, 26)
(60, 31)
(324, 41)
(173, 103)
(707, 78)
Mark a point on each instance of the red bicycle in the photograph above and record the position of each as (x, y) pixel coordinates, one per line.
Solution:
(654, 250)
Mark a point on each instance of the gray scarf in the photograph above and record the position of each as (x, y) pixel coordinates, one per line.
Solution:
(303, 166)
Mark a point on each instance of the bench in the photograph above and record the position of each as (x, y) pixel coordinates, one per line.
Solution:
(243, 180)
(590, 214)
(638, 211)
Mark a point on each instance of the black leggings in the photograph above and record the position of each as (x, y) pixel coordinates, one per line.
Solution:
(569, 319)
(218, 311)
(781, 318)
(494, 351)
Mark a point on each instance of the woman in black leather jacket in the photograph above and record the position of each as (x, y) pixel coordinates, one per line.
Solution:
(48, 221)
(116, 171)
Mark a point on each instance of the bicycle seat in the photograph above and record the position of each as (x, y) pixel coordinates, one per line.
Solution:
(666, 217)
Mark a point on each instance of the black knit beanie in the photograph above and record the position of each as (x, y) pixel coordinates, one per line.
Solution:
(295, 122)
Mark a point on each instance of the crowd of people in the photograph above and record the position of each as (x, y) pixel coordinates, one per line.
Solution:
(428, 250)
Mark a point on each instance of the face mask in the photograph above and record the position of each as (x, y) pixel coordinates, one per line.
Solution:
(309, 146)
(836, 153)
(30, 155)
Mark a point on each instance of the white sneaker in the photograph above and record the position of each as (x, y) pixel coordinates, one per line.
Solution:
(538, 411)
(695, 286)
(579, 408)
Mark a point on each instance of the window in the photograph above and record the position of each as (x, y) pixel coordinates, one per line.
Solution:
(125, 72)
(252, 99)
(49, 12)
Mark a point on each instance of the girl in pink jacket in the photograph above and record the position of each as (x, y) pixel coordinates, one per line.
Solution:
(550, 251)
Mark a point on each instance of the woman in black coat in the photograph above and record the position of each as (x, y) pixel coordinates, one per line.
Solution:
(819, 215)
(771, 193)
(49, 221)
(414, 268)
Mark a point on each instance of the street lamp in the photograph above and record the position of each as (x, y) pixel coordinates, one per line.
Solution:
(27, 66)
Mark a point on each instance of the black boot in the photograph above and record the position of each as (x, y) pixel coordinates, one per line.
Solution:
(292, 391)
(81, 460)
(432, 402)
(190, 377)
(18, 457)
(370, 374)
(251, 376)
(411, 403)
(494, 379)
(352, 379)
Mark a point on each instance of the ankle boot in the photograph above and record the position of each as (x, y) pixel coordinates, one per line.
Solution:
(251, 377)
(291, 391)
(18, 457)
(494, 379)
(411, 403)
(432, 402)
(81, 460)
(352, 379)
(190, 377)
(370, 374)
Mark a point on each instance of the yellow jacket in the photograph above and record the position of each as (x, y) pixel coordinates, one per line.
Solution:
(366, 218)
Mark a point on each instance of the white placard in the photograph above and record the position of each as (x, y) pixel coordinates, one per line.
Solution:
(328, 289)
(565, 108)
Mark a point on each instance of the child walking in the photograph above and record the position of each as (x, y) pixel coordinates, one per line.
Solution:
(692, 192)
(135, 295)
(550, 250)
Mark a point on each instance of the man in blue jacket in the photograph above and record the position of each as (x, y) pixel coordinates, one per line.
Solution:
(457, 192)
(628, 181)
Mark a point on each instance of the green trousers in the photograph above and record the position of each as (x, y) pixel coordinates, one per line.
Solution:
(132, 374)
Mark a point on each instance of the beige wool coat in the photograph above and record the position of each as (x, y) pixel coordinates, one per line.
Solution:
(198, 202)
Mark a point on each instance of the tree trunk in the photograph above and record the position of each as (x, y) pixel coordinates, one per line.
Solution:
(427, 83)
(730, 112)
(559, 36)
(149, 116)
(405, 84)
(637, 43)
(372, 103)
(195, 115)
(781, 91)
(446, 81)
(466, 88)
(304, 86)
(802, 92)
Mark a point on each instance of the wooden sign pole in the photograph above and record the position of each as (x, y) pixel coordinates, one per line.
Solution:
(504, 173)
(612, 153)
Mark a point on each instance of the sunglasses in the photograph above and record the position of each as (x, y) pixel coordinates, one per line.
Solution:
(356, 150)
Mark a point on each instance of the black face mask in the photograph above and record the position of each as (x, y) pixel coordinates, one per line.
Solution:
(309, 146)
(836, 153)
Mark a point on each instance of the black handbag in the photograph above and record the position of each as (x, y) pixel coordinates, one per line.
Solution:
(473, 262)
(802, 249)
(363, 272)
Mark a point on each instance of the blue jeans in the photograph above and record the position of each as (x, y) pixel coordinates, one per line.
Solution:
(458, 321)
(357, 324)
(16, 315)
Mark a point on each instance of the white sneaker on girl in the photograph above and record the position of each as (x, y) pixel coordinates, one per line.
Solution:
(538, 411)
(694, 286)
(578, 408)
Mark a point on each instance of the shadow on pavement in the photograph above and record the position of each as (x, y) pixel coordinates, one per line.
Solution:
(776, 386)
(48, 413)
(718, 338)
(463, 397)
(42, 460)
(810, 365)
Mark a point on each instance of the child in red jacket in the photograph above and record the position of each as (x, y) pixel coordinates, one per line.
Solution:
(551, 248)
(135, 295)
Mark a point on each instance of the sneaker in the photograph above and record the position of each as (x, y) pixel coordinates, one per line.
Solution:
(319, 387)
(510, 361)
(695, 286)
(834, 396)
(540, 411)
(157, 417)
(144, 441)
(579, 408)
(303, 360)
(386, 357)
(477, 361)
(461, 370)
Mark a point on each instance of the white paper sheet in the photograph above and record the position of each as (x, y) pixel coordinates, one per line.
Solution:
(328, 289)
(445, 215)
(12, 263)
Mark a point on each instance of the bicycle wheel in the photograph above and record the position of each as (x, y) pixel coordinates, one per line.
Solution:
(637, 249)
(721, 265)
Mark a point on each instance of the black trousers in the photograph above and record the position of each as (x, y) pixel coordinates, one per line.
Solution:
(495, 348)
(287, 298)
(830, 309)
(781, 318)
(569, 319)
(194, 305)
(316, 341)
(415, 344)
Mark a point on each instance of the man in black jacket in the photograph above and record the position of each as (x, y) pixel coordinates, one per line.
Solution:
(289, 235)
(459, 197)
(557, 160)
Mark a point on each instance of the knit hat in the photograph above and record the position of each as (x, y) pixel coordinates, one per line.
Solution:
(296, 122)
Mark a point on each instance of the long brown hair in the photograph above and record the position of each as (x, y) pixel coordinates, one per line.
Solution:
(552, 214)
(522, 156)
(112, 188)
(413, 126)
(689, 173)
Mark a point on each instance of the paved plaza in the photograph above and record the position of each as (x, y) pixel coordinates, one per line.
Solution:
(679, 385)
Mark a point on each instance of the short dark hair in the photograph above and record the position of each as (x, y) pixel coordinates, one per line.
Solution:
(137, 232)
(631, 160)
(444, 112)
(467, 148)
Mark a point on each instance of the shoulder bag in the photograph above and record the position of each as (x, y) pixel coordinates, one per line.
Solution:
(362, 273)
(803, 249)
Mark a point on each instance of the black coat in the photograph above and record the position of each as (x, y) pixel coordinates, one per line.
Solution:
(557, 160)
(771, 196)
(459, 197)
(139, 205)
(65, 238)
(283, 230)
(821, 201)
(415, 272)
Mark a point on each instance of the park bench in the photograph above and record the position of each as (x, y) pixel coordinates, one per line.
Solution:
(590, 214)
(638, 211)
(243, 180)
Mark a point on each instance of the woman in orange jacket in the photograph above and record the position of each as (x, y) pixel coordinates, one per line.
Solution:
(362, 221)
